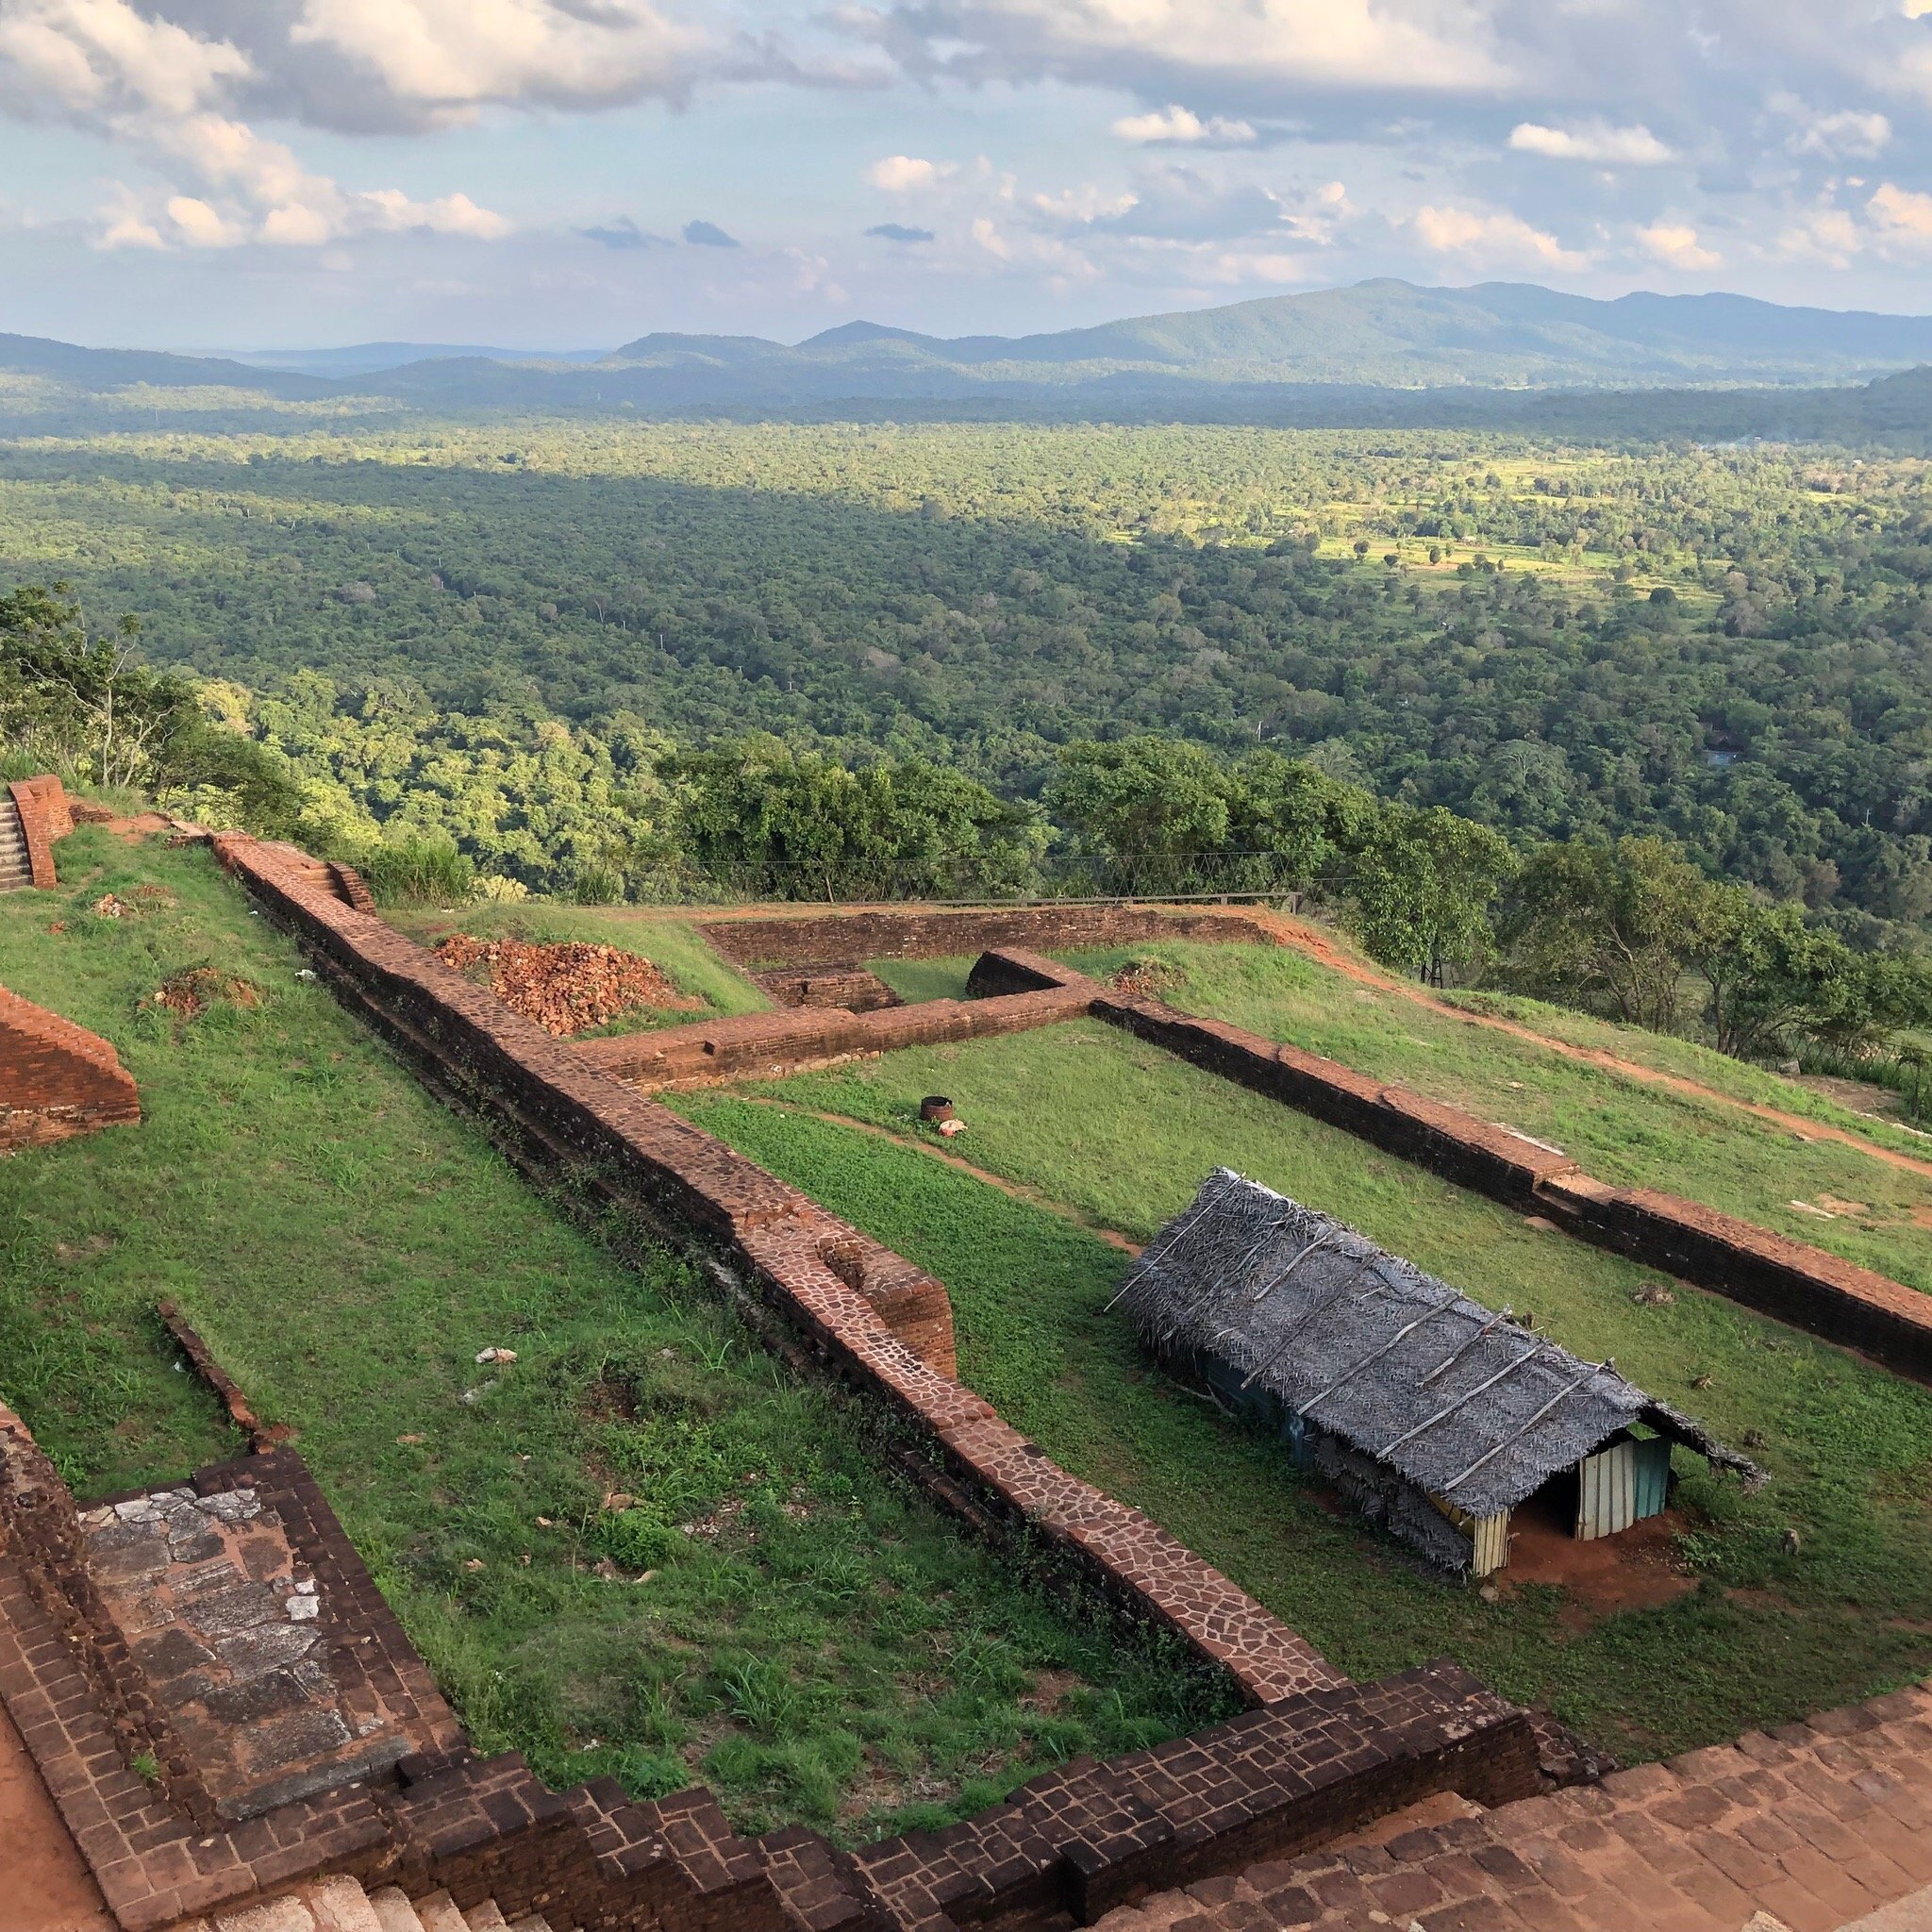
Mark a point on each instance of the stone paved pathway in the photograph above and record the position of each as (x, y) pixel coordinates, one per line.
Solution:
(1814, 1827)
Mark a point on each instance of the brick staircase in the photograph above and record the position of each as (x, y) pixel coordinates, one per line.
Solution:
(1808, 1828)
(16, 869)
(344, 1905)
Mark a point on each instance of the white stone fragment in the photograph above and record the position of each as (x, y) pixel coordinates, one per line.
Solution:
(439, 1913)
(303, 1610)
(277, 1915)
(340, 1904)
(393, 1912)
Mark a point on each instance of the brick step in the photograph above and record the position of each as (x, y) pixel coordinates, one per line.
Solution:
(1810, 1827)
(343, 1904)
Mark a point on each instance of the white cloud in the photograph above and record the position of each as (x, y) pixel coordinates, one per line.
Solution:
(1825, 234)
(1675, 245)
(1903, 214)
(905, 174)
(452, 57)
(1433, 46)
(1849, 132)
(92, 58)
(1177, 126)
(201, 225)
(1498, 238)
(154, 85)
(1592, 140)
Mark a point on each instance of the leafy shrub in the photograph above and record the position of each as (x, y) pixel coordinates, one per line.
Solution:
(421, 866)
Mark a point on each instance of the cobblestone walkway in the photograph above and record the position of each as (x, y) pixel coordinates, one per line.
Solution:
(1814, 1827)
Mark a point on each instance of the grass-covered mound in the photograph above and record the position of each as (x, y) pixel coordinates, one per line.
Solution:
(1120, 1134)
(770, 1615)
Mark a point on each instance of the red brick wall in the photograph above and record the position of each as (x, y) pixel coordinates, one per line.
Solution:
(57, 1079)
(846, 938)
(1854, 1306)
(41, 804)
(767, 1045)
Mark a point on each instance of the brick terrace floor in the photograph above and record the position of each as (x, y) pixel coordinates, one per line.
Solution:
(226, 1620)
(46, 1886)
(1814, 1827)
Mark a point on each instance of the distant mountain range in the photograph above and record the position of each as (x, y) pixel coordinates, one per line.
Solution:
(1293, 354)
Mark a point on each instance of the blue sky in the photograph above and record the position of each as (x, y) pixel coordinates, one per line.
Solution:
(567, 173)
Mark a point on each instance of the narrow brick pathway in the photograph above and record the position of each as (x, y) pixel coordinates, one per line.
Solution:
(1814, 1827)
(47, 1887)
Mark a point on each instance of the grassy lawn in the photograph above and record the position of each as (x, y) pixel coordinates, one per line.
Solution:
(1621, 1129)
(1121, 1134)
(915, 980)
(809, 1638)
(673, 945)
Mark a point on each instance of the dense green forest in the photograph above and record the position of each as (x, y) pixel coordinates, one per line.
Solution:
(1728, 646)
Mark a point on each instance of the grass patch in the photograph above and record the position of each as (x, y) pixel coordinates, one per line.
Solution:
(815, 1643)
(1124, 1133)
(916, 980)
(674, 946)
(1621, 1129)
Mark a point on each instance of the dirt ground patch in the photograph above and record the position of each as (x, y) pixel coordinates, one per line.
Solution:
(191, 993)
(564, 987)
(1636, 1569)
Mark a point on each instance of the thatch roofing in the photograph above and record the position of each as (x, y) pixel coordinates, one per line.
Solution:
(1464, 1403)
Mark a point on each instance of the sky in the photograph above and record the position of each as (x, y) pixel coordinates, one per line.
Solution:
(571, 173)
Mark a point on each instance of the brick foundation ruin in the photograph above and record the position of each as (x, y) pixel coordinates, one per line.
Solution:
(223, 1708)
(212, 1740)
(45, 816)
(57, 1079)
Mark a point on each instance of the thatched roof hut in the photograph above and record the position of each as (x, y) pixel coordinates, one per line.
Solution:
(1440, 1415)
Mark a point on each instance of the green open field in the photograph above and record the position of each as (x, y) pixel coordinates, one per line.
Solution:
(775, 1617)
(1099, 1132)
(1621, 1129)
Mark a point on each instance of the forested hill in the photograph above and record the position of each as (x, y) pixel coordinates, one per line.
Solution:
(1382, 352)
(1380, 334)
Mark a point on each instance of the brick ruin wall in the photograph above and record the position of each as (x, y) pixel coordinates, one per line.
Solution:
(1316, 1755)
(805, 1277)
(765, 1046)
(57, 1079)
(45, 816)
(1855, 1306)
(1013, 988)
(849, 939)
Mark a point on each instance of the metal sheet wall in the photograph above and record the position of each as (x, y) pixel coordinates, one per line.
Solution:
(1607, 1494)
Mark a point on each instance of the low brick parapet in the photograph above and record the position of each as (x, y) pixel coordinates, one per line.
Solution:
(809, 941)
(57, 1079)
(45, 816)
(767, 1046)
(1830, 1297)
(1083, 1840)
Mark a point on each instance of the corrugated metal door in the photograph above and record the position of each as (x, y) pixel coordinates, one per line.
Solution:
(1653, 1476)
(1606, 1495)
